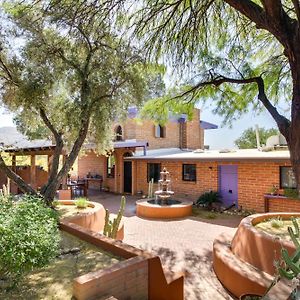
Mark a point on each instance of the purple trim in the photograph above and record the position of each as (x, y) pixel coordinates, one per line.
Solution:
(132, 112)
(206, 125)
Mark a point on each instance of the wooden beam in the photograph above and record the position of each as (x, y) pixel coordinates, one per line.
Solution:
(33, 172)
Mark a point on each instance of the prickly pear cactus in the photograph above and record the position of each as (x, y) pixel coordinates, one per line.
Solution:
(111, 227)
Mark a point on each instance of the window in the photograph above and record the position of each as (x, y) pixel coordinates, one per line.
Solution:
(189, 172)
(159, 131)
(287, 178)
(111, 166)
(119, 133)
(153, 171)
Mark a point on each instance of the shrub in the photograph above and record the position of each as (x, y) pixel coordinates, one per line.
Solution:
(208, 198)
(81, 203)
(29, 236)
(291, 193)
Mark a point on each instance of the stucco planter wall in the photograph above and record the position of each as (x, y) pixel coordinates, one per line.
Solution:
(244, 263)
(93, 220)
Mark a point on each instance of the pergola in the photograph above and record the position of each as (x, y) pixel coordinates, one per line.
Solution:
(33, 152)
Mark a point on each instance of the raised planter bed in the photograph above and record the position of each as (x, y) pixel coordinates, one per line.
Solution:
(92, 217)
(245, 263)
(279, 203)
(55, 281)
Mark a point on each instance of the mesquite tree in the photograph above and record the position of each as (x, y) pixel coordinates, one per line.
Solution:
(67, 73)
(244, 54)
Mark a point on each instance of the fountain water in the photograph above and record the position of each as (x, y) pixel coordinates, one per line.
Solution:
(164, 194)
(162, 206)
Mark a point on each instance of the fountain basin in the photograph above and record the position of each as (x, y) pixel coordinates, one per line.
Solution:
(151, 209)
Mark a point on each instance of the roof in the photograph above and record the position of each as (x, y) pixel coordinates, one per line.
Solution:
(14, 141)
(207, 125)
(212, 155)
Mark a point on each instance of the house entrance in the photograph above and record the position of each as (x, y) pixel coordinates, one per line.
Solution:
(127, 177)
(228, 184)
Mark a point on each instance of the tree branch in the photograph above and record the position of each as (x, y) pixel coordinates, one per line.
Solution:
(57, 152)
(297, 8)
(16, 178)
(282, 122)
(267, 18)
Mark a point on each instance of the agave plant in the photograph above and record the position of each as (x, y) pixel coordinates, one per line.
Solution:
(207, 199)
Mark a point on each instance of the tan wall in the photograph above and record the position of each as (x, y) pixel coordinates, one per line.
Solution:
(255, 178)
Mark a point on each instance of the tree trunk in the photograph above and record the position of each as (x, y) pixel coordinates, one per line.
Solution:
(24, 187)
(52, 186)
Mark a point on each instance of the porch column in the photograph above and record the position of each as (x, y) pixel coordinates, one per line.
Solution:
(33, 172)
(14, 163)
(12, 186)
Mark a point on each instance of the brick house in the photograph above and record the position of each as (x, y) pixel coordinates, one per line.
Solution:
(116, 173)
(242, 177)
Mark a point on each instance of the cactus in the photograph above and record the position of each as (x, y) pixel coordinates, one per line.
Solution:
(291, 264)
(5, 192)
(111, 227)
(150, 188)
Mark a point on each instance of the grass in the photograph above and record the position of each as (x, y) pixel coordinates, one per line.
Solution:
(55, 280)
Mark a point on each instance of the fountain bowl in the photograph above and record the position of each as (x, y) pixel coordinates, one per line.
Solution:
(163, 209)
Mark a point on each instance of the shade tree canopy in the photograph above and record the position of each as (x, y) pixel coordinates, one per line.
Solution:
(68, 74)
(247, 140)
(245, 55)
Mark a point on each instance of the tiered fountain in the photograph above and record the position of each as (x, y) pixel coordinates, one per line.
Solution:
(162, 207)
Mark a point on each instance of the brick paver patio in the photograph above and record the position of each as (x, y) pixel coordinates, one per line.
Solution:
(181, 244)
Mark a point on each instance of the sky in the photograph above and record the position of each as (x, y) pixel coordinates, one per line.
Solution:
(224, 136)
(220, 138)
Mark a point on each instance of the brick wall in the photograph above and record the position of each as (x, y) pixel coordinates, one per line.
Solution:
(255, 178)
(207, 178)
(194, 132)
(145, 131)
(281, 204)
(125, 280)
(91, 162)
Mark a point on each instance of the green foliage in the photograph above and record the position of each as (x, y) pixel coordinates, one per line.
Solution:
(217, 40)
(29, 236)
(81, 202)
(291, 193)
(277, 223)
(208, 198)
(248, 138)
(111, 226)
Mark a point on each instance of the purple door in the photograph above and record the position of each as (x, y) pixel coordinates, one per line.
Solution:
(228, 185)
